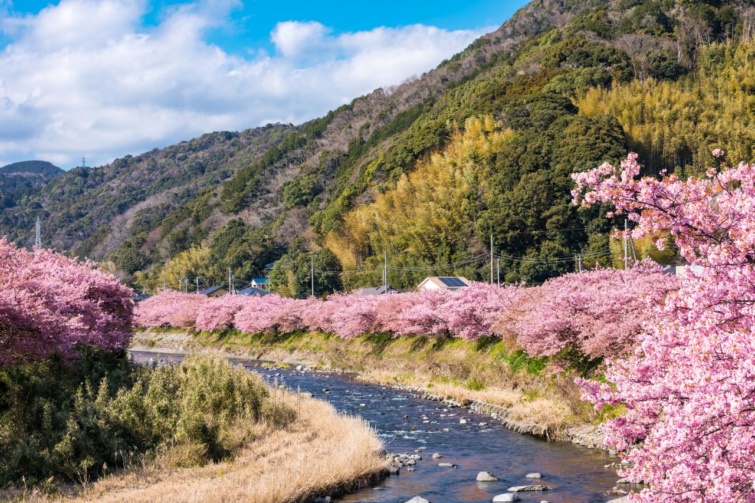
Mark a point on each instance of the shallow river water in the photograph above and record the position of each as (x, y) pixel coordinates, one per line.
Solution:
(407, 423)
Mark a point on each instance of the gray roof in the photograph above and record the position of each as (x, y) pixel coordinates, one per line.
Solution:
(379, 290)
(250, 290)
(211, 290)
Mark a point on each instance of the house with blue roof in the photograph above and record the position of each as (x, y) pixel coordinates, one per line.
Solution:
(451, 283)
(261, 283)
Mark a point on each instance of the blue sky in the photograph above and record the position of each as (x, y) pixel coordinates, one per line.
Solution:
(106, 78)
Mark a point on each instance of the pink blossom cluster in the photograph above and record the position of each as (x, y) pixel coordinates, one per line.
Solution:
(169, 309)
(597, 312)
(271, 314)
(689, 390)
(468, 313)
(214, 313)
(50, 303)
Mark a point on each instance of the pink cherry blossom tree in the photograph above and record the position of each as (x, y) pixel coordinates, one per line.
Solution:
(218, 313)
(269, 314)
(50, 303)
(689, 391)
(169, 309)
(422, 314)
(471, 312)
(595, 313)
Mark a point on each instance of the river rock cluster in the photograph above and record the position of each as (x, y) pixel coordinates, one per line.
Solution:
(399, 461)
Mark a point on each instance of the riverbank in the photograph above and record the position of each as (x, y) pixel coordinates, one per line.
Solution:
(321, 453)
(485, 374)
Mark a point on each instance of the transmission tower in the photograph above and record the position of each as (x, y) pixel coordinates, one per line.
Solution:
(38, 234)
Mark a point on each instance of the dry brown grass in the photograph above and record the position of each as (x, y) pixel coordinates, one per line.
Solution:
(321, 451)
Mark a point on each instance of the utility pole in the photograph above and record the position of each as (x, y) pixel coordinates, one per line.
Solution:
(230, 281)
(626, 245)
(38, 234)
(499, 271)
(491, 259)
(197, 280)
(164, 285)
(385, 271)
(312, 274)
(634, 250)
(580, 262)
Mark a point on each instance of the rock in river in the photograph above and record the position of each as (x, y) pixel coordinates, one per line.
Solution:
(486, 477)
(534, 475)
(522, 489)
(505, 497)
(418, 499)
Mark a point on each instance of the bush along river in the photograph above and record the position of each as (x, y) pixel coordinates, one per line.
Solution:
(445, 448)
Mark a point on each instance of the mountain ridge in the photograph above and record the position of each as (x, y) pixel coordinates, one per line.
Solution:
(20, 180)
(35, 167)
(280, 191)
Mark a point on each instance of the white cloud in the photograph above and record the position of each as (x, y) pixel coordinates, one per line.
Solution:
(293, 38)
(73, 87)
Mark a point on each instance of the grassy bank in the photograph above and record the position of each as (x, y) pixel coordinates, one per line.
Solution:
(216, 433)
(321, 453)
(487, 370)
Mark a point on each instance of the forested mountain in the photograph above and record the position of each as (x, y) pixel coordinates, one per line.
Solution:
(426, 172)
(94, 211)
(20, 179)
(32, 168)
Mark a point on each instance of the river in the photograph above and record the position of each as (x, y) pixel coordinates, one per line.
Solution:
(409, 424)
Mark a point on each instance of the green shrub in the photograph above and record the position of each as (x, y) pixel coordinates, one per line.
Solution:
(474, 384)
(74, 422)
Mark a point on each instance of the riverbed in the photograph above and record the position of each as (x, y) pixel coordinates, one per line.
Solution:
(471, 442)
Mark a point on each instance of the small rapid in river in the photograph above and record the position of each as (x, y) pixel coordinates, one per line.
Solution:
(472, 442)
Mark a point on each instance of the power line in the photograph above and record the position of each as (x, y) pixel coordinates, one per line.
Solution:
(471, 261)
(554, 260)
(476, 260)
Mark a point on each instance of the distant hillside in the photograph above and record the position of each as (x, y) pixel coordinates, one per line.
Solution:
(92, 211)
(21, 179)
(35, 167)
(564, 85)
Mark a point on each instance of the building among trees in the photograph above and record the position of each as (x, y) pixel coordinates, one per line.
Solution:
(378, 290)
(214, 291)
(452, 283)
(252, 291)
